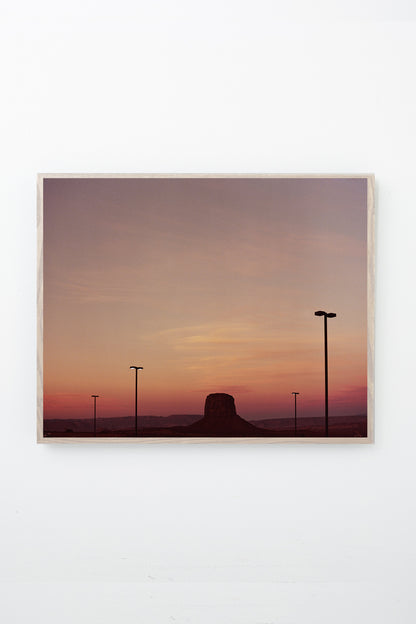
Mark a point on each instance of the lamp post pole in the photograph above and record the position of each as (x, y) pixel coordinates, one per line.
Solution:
(95, 397)
(296, 427)
(136, 368)
(326, 316)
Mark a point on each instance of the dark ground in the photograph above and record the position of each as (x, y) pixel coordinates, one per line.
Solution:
(189, 425)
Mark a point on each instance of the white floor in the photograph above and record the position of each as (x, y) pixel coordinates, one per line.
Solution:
(208, 603)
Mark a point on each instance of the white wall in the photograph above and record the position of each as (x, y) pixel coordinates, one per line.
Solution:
(202, 534)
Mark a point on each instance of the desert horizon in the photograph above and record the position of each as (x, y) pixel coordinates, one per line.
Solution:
(225, 422)
(312, 426)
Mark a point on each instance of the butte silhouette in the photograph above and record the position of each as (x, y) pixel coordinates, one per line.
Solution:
(220, 419)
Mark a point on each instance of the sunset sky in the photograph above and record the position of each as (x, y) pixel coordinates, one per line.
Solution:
(211, 285)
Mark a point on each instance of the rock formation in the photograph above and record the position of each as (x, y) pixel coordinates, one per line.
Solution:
(221, 419)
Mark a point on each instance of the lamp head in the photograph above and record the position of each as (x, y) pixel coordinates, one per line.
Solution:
(331, 315)
(320, 313)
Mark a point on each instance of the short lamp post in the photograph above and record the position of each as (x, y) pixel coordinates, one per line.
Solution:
(136, 368)
(296, 427)
(95, 397)
(326, 316)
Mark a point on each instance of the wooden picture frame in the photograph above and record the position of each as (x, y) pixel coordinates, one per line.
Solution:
(54, 193)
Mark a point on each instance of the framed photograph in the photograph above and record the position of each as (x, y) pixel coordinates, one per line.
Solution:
(205, 308)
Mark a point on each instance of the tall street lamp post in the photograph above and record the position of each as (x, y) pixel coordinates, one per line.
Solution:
(95, 397)
(296, 427)
(136, 368)
(326, 316)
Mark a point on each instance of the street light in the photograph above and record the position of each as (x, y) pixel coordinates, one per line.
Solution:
(95, 397)
(296, 428)
(326, 316)
(136, 368)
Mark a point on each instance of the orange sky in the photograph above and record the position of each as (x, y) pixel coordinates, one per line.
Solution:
(210, 285)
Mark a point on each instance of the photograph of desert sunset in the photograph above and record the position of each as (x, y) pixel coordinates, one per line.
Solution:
(205, 307)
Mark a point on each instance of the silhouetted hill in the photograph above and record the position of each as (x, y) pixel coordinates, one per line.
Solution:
(220, 419)
(193, 425)
(116, 424)
(314, 426)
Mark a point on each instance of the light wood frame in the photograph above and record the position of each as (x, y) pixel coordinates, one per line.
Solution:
(209, 440)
